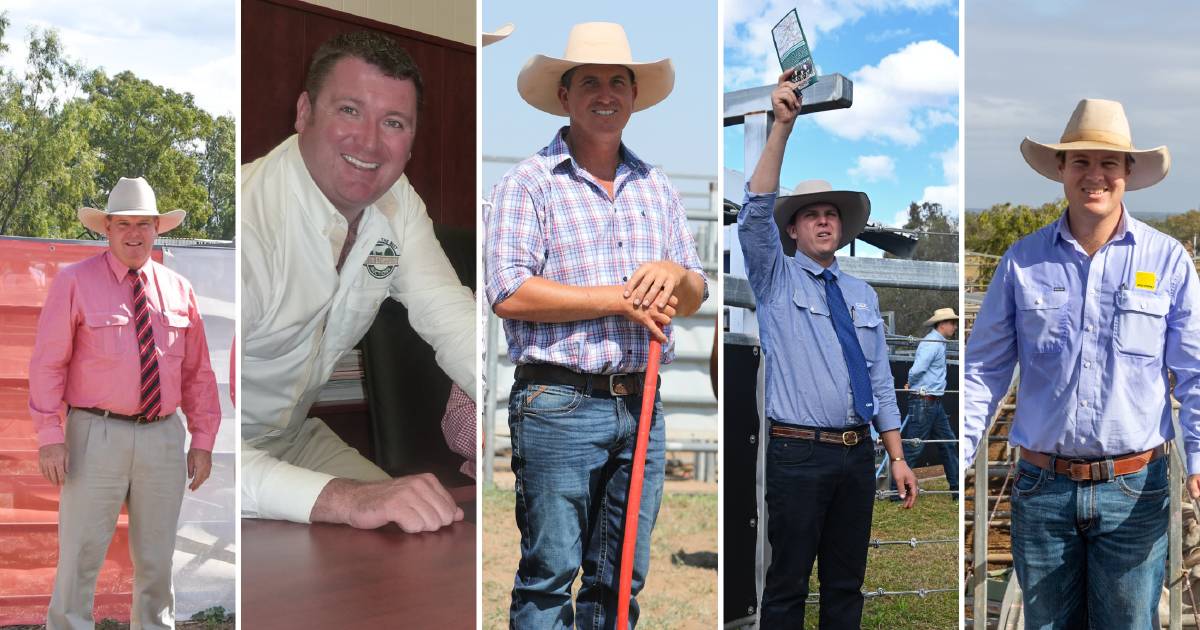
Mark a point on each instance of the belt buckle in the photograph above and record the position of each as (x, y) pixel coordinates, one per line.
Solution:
(143, 419)
(613, 385)
(1078, 469)
(850, 438)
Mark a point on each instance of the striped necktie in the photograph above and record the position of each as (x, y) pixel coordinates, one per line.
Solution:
(151, 399)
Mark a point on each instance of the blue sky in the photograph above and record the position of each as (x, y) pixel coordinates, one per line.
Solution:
(1145, 56)
(899, 141)
(186, 46)
(679, 134)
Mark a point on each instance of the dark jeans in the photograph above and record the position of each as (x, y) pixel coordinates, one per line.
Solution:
(572, 456)
(819, 503)
(927, 420)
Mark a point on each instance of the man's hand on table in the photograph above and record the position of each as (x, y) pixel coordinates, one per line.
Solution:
(417, 503)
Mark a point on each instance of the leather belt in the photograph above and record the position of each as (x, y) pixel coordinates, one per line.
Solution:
(1096, 469)
(629, 384)
(120, 416)
(849, 437)
(927, 397)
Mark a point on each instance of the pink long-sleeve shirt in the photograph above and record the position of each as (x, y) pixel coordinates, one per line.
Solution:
(86, 350)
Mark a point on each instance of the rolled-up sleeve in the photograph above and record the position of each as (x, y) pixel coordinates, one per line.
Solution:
(514, 239)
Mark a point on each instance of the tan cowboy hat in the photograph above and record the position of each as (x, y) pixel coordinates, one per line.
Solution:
(941, 315)
(593, 43)
(853, 208)
(1099, 125)
(498, 34)
(130, 198)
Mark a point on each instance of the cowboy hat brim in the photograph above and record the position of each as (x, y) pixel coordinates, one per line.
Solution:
(540, 78)
(498, 34)
(853, 209)
(93, 219)
(1150, 166)
(937, 320)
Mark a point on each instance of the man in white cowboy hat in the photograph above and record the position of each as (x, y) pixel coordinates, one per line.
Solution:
(587, 258)
(1095, 308)
(926, 418)
(331, 228)
(120, 347)
(827, 380)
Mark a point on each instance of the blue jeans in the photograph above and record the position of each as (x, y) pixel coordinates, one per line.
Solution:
(819, 503)
(1090, 553)
(927, 420)
(572, 456)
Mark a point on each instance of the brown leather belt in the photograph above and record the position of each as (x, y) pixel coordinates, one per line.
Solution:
(849, 437)
(628, 384)
(1096, 470)
(120, 416)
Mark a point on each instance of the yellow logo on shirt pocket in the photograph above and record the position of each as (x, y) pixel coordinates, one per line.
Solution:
(1145, 280)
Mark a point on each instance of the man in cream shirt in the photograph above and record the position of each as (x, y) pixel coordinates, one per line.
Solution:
(331, 227)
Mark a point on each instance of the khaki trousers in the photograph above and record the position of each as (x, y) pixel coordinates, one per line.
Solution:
(113, 462)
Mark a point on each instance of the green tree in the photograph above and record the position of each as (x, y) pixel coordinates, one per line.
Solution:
(937, 240)
(217, 174)
(46, 166)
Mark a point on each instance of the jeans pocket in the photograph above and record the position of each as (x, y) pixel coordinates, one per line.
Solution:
(1150, 481)
(1029, 480)
(549, 400)
(789, 452)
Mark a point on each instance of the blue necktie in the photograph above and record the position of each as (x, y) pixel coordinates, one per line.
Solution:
(856, 363)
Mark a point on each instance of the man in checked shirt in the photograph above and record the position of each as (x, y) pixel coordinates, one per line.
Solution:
(1096, 308)
(588, 254)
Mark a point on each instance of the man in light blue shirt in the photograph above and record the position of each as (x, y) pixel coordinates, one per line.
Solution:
(827, 379)
(1095, 308)
(927, 417)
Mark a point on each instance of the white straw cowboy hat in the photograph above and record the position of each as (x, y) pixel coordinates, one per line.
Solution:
(853, 208)
(602, 43)
(1099, 125)
(941, 315)
(130, 198)
(498, 34)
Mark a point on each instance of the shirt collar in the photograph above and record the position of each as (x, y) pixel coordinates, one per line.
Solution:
(557, 153)
(815, 268)
(120, 271)
(1126, 229)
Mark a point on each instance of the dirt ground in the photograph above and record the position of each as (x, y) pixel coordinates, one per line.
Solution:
(681, 590)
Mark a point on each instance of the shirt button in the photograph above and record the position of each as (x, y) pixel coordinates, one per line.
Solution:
(1083, 404)
(1086, 364)
(619, 243)
(1038, 301)
(1089, 328)
(1083, 440)
(624, 278)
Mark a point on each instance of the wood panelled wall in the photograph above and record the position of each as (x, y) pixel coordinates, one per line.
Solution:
(278, 39)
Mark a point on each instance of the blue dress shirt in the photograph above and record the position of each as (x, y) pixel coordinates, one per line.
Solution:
(1094, 337)
(807, 380)
(928, 371)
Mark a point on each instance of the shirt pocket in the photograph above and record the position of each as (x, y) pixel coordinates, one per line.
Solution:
(868, 325)
(107, 331)
(1041, 320)
(1140, 327)
(177, 327)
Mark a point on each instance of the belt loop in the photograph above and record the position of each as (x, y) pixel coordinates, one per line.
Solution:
(1112, 469)
(1053, 465)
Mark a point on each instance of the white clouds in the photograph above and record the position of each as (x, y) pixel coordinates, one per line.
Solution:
(890, 33)
(873, 168)
(890, 98)
(748, 23)
(946, 195)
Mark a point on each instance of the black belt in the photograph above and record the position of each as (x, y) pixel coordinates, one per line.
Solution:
(848, 437)
(603, 385)
(120, 416)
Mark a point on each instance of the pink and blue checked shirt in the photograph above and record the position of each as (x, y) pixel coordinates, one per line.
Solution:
(550, 218)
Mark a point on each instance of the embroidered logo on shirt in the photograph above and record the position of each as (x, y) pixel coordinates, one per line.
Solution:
(1145, 280)
(383, 259)
(1060, 288)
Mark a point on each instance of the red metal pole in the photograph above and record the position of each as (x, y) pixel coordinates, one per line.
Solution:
(634, 503)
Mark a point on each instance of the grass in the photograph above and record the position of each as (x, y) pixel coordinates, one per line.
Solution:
(681, 589)
(903, 568)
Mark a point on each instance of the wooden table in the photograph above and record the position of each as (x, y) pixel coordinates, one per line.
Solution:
(335, 576)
